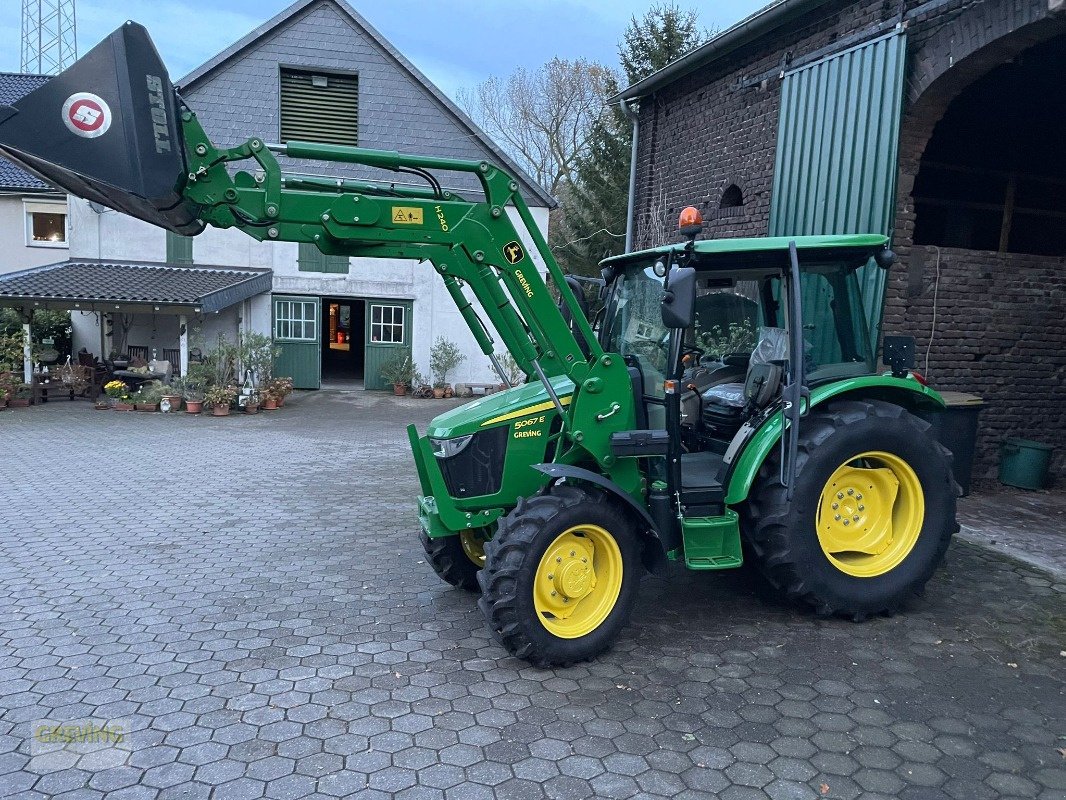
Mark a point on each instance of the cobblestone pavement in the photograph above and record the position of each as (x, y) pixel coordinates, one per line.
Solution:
(1030, 526)
(247, 596)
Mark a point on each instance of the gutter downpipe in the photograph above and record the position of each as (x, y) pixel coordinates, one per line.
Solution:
(634, 117)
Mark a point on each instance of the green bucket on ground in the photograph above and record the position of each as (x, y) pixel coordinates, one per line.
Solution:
(1024, 463)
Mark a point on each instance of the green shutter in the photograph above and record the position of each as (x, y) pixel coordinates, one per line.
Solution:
(311, 259)
(837, 151)
(319, 107)
(179, 249)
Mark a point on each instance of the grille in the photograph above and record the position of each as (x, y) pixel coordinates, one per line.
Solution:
(478, 469)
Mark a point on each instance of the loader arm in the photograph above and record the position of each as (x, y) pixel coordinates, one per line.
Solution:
(469, 243)
(112, 129)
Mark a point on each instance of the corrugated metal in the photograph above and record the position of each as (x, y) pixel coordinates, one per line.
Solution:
(319, 107)
(837, 151)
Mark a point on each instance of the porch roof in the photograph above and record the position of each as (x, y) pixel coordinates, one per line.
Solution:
(132, 287)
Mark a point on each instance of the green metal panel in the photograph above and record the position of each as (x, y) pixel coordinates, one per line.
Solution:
(179, 249)
(382, 332)
(311, 259)
(837, 152)
(298, 338)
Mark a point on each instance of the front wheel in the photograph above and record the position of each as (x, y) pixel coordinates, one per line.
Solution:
(560, 576)
(457, 559)
(871, 515)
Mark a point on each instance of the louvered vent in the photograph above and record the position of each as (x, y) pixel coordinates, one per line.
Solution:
(319, 107)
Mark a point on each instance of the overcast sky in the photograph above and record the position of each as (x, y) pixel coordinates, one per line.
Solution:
(455, 42)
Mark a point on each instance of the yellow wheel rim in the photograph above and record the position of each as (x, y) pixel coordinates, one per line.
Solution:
(577, 581)
(473, 543)
(870, 514)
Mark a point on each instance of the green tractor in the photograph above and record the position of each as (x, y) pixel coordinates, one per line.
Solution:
(724, 404)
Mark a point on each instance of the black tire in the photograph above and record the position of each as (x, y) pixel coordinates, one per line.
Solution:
(781, 535)
(512, 558)
(450, 562)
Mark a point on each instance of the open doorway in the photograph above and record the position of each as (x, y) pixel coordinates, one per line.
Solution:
(343, 339)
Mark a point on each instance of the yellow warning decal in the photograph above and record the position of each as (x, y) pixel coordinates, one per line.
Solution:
(406, 215)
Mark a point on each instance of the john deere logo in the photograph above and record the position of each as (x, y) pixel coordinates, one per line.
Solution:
(513, 252)
(86, 115)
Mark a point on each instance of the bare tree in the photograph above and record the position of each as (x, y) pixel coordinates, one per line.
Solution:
(542, 117)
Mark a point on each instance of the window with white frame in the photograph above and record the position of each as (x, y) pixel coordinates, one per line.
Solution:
(296, 320)
(46, 224)
(387, 324)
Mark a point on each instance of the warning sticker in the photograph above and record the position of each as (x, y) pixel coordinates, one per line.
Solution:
(406, 215)
(86, 115)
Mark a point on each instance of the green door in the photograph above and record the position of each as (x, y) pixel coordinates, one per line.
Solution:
(297, 336)
(388, 334)
(837, 148)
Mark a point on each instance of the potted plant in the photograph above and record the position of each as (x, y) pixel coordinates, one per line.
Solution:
(9, 383)
(193, 386)
(273, 393)
(282, 388)
(444, 356)
(119, 393)
(251, 404)
(21, 396)
(172, 395)
(148, 396)
(399, 371)
(219, 399)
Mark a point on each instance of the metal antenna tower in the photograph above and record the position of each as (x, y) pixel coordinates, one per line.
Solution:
(49, 36)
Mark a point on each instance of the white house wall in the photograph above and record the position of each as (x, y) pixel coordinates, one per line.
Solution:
(115, 236)
(16, 253)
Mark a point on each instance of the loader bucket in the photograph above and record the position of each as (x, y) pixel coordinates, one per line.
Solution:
(107, 129)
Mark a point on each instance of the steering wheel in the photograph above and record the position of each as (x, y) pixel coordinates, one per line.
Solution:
(691, 355)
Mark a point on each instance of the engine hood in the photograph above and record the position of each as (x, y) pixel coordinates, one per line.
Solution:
(500, 408)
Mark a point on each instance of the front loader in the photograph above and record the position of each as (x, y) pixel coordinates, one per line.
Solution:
(725, 404)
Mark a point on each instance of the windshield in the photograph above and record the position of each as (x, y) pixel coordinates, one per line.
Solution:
(731, 316)
(634, 325)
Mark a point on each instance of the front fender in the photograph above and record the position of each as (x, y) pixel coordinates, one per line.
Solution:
(655, 551)
(903, 391)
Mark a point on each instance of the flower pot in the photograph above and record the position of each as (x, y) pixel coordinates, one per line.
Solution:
(175, 401)
(399, 389)
(123, 406)
(438, 393)
(449, 392)
(251, 408)
(194, 406)
(100, 405)
(270, 404)
(19, 402)
(281, 402)
(220, 411)
(3, 402)
(145, 406)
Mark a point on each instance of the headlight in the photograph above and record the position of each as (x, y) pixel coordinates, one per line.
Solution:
(446, 448)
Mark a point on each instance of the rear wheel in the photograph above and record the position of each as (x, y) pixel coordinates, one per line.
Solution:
(560, 576)
(457, 559)
(871, 515)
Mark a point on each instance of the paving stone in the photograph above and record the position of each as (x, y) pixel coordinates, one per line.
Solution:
(260, 657)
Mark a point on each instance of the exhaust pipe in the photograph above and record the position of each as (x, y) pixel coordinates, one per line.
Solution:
(107, 129)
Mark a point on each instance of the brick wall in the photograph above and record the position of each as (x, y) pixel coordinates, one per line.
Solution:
(1000, 333)
(1001, 316)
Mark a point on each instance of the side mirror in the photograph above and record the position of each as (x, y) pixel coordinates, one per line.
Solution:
(679, 300)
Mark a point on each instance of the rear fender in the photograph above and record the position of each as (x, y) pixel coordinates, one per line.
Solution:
(654, 554)
(905, 392)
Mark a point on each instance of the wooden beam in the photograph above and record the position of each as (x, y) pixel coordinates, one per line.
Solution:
(1008, 213)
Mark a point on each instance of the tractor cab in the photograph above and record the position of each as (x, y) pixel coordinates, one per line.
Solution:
(758, 317)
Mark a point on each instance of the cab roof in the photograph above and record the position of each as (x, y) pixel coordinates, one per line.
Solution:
(760, 252)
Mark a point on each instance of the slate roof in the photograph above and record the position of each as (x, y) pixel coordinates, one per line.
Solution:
(106, 284)
(14, 86)
(535, 193)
